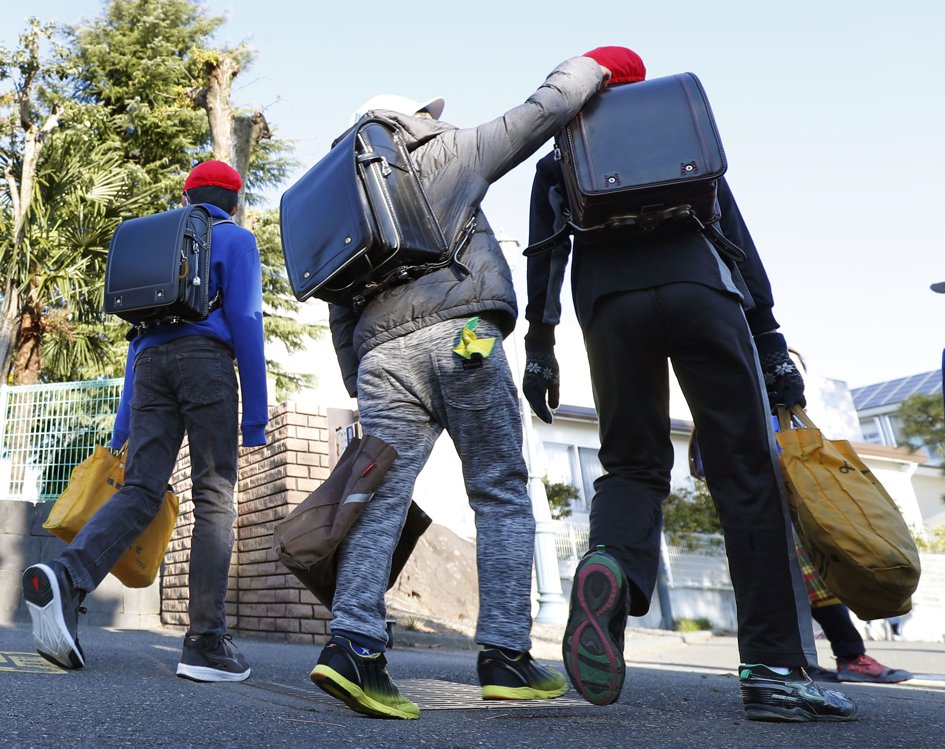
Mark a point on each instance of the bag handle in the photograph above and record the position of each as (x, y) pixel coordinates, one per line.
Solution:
(121, 454)
(404, 273)
(795, 416)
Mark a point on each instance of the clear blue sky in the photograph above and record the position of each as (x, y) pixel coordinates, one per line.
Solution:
(832, 115)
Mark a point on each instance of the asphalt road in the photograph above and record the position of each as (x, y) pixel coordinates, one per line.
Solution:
(678, 694)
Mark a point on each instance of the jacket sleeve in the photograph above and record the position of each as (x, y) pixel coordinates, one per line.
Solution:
(242, 306)
(545, 275)
(760, 316)
(505, 142)
(122, 428)
(341, 321)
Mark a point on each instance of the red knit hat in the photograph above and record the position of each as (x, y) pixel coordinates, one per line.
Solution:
(624, 64)
(215, 174)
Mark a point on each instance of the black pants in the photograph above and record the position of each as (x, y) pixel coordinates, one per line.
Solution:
(703, 332)
(834, 620)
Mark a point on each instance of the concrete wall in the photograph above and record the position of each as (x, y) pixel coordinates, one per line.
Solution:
(24, 542)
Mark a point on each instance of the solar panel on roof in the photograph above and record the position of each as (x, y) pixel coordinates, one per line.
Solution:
(896, 391)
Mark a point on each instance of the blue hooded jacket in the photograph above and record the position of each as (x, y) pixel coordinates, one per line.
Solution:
(234, 268)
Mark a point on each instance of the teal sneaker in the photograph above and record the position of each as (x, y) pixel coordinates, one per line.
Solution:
(593, 637)
(516, 676)
(361, 681)
(793, 697)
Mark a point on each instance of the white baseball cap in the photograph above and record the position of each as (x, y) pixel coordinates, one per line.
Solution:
(400, 104)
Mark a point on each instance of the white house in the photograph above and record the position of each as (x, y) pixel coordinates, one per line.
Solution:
(876, 406)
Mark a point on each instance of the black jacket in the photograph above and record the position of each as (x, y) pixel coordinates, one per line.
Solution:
(609, 262)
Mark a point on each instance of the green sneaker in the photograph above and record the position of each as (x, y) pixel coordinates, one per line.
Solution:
(792, 697)
(516, 676)
(592, 649)
(361, 681)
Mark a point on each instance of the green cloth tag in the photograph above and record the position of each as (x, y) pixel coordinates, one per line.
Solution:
(470, 345)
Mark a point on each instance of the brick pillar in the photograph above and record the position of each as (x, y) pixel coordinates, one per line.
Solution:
(264, 600)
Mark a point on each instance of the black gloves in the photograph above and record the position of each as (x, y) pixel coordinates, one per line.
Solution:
(540, 381)
(783, 381)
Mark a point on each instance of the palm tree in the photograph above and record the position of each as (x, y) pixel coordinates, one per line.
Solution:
(82, 189)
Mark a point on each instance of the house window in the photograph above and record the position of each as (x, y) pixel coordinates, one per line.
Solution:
(578, 466)
(591, 470)
(562, 468)
(559, 462)
(871, 430)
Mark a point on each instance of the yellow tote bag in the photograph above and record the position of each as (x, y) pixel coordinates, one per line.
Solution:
(848, 524)
(92, 484)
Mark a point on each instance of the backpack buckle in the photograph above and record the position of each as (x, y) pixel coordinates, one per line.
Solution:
(650, 216)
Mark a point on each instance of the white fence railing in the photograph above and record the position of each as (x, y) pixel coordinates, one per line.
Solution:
(695, 561)
(46, 430)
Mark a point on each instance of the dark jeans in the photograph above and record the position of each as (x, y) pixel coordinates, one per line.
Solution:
(630, 342)
(186, 385)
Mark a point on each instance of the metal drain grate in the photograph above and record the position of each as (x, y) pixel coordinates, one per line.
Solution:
(435, 694)
(429, 694)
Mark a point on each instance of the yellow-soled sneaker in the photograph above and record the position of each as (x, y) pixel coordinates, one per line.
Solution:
(516, 676)
(361, 681)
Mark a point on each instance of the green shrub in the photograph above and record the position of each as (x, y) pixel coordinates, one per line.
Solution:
(934, 543)
(692, 625)
(560, 495)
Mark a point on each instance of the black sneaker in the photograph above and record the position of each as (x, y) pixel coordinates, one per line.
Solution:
(821, 674)
(209, 658)
(793, 697)
(361, 681)
(593, 637)
(54, 606)
(516, 676)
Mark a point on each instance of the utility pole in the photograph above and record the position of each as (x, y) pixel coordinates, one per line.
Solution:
(552, 606)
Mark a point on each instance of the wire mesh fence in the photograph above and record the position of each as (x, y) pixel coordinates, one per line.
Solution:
(697, 560)
(46, 430)
(694, 560)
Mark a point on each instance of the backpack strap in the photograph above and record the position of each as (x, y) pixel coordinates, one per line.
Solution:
(644, 221)
(217, 300)
(540, 248)
(405, 273)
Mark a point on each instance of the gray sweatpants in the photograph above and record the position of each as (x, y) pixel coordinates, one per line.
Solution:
(410, 390)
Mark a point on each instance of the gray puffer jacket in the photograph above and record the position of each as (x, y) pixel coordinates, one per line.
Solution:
(456, 167)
